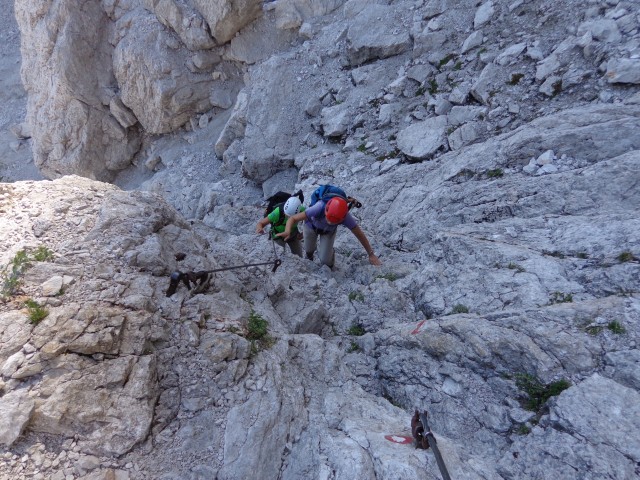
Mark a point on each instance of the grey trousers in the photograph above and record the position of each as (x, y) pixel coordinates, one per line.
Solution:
(324, 244)
(294, 245)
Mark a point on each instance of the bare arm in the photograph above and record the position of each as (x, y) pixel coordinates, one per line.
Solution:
(261, 224)
(298, 217)
(362, 238)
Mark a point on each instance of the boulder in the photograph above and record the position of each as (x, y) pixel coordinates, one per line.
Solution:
(70, 70)
(154, 81)
(16, 408)
(386, 40)
(227, 17)
(623, 70)
(422, 140)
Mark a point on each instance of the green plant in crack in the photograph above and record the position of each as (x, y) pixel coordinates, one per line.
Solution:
(446, 60)
(353, 347)
(459, 308)
(356, 330)
(392, 277)
(433, 86)
(356, 296)
(495, 173)
(523, 430)
(625, 257)
(42, 254)
(515, 78)
(594, 329)
(257, 333)
(515, 266)
(37, 313)
(537, 392)
(257, 326)
(362, 147)
(560, 297)
(616, 327)
(12, 273)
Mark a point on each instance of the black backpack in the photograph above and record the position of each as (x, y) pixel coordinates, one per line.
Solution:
(279, 198)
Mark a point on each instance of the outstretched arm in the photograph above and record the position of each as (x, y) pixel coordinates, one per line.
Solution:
(261, 224)
(362, 238)
(298, 217)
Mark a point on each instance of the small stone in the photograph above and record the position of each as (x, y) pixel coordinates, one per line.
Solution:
(545, 158)
(549, 168)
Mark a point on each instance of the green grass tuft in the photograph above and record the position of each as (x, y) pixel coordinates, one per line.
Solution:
(594, 329)
(537, 392)
(37, 313)
(459, 308)
(433, 86)
(515, 78)
(392, 277)
(559, 297)
(257, 326)
(515, 266)
(42, 254)
(616, 327)
(356, 330)
(356, 296)
(625, 257)
(11, 274)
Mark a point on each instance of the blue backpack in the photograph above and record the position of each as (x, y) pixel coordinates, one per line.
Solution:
(327, 192)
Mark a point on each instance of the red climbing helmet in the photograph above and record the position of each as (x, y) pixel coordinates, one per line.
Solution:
(336, 209)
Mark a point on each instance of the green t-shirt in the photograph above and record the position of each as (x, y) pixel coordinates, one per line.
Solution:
(278, 220)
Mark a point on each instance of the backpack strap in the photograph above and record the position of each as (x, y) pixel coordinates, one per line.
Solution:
(282, 219)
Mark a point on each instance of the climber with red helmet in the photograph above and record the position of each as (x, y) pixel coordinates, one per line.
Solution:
(320, 227)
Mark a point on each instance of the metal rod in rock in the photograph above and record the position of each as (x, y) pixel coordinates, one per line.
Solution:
(434, 446)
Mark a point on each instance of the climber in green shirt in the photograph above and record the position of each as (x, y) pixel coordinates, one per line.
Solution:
(278, 219)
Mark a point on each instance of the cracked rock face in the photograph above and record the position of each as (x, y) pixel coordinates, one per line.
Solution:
(495, 150)
(76, 371)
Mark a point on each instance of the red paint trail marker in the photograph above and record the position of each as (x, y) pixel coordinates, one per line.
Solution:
(401, 439)
(417, 329)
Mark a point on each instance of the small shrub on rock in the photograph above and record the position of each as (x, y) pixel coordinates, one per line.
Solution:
(37, 313)
(537, 392)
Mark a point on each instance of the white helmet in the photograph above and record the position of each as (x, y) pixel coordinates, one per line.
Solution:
(291, 206)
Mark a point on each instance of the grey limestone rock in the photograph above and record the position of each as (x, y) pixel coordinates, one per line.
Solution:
(225, 18)
(16, 408)
(474, 40)
(422, 140)
(77, 79)
(384, 41)
(142, 60)
(483, 15)
(335, 120)
(623, 70)
(514, 253)
(486, 83)
(185, 20)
